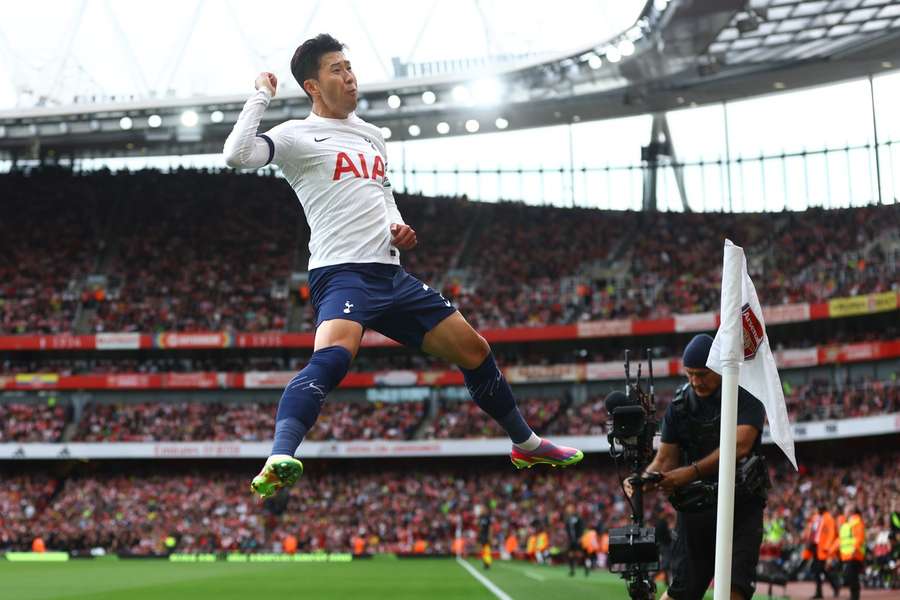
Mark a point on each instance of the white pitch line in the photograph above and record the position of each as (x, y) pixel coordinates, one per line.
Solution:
(483, 580)
(524, 571)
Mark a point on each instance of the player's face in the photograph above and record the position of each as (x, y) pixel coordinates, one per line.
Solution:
(337, 84)
(704, 381)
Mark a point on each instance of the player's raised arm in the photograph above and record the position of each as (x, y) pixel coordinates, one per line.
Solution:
(245, 148)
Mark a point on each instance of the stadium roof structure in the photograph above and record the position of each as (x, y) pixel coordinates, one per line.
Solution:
(678, 53)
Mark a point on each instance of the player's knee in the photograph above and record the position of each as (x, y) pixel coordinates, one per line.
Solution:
(339, 332)
(475, 351)
(330, 365)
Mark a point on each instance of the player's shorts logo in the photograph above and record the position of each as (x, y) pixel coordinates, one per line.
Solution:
(347, 307)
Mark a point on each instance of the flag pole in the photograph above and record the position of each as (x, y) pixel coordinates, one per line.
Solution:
(732, 353)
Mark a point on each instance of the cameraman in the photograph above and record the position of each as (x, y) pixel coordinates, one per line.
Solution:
(688, 453)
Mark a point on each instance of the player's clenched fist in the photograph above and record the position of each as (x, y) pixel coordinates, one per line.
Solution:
(268, 81)
(404, 236)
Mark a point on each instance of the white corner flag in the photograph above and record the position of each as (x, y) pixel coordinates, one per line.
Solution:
(758, 373)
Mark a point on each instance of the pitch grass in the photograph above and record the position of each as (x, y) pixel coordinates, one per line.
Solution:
(375, 579)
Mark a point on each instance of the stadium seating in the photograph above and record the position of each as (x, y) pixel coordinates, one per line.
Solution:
(391, 507)
(341, 420)
(31, 422)
(50, 242)
(222, 246)
(821, 399)
(465, 420)
(245, 422)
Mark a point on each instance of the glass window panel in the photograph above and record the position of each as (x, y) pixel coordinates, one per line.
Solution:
(824, 117)
(698, 133)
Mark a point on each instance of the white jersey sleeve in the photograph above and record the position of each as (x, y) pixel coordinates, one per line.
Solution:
(247, 149)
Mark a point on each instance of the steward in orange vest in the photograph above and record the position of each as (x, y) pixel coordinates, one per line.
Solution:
(824, 534)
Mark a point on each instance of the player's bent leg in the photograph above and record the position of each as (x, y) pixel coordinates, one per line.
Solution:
(339, 332)
(336, 344)
(457, 342)
(454, 340)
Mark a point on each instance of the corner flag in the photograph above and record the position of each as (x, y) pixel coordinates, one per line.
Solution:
(758, 374)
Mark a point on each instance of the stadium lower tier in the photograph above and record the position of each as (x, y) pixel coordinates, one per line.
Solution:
(819, 399)
(422, 506)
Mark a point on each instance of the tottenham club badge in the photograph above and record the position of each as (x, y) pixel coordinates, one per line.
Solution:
(753, 332)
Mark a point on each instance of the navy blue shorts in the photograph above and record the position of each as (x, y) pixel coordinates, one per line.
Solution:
(381, 297)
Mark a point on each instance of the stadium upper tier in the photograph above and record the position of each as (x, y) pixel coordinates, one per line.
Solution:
(390, 508)
(198, 251)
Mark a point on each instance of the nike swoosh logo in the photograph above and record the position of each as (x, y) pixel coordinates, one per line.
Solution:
(323, 139)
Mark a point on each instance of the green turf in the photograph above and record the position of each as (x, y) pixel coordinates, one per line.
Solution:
(381, 578)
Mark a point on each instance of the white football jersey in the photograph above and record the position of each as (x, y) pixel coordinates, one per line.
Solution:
(338, 169)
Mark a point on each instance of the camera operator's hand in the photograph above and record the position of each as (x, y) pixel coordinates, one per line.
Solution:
(649, 486)
(676, 478)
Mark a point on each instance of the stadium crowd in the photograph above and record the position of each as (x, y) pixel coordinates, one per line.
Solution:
(872, 484)
(243, 422)
(370, 420)
(216, 258)
(32, 422)
(402, 509)
(253, 421)
(822, 399)
(464, 419)
(222, 247)
(544, 264)
(50, 243)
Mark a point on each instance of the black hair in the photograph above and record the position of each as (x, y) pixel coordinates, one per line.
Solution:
(305, 63)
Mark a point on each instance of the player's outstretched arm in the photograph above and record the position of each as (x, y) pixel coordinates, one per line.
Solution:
(244, 148)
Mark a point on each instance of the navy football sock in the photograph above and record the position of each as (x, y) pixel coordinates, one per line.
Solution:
(491, 392)
(304, 395)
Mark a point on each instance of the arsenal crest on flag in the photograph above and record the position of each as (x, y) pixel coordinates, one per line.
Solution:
(753, 331)
(758, 374)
